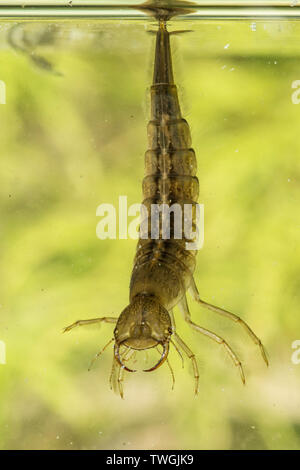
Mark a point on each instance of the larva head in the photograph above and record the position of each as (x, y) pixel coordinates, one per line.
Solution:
(144, 324)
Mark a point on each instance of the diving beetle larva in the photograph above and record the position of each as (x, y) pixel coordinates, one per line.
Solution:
(163, 268)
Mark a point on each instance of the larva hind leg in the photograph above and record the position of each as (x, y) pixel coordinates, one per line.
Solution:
(186, 313)
(195, 294)
(90, 322)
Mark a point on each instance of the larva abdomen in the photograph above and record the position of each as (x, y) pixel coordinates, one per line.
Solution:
(171, 188)
(169, 133)
(163, 267)
(177, 162)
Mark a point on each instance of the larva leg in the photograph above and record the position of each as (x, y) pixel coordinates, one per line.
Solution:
(195, 294)
(114, 376)
(120, 382)
(186, 350)
(99, 353)
(113, 379)
(171, 370)
(129, 353)
(179, 353)
(116, 371)
(172, 373)
(186, 313)
(174, 331)
(90, 322)
(192, 357)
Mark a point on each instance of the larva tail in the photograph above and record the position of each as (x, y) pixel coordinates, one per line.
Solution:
(165, 9)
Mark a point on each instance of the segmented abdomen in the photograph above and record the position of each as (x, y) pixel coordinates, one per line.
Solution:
(164, 267)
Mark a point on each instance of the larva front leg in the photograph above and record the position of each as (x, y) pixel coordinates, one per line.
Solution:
(195, 294)
(90, 322)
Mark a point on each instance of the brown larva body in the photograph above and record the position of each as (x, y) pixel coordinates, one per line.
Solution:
(163, 268)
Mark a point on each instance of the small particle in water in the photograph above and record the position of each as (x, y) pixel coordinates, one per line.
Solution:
(275, 62)
(71, 443)
(70, 3)
(232, 69)
(100, 432)
(223, 67)
(289, 180)
(236, 150)
(9, 195)
(252, 427)
(57, 437)
(253, 26)
(227, 45)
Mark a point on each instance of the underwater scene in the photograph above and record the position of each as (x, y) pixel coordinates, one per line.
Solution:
(76, 96)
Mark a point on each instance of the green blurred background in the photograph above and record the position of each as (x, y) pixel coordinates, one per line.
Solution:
(73, 135)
